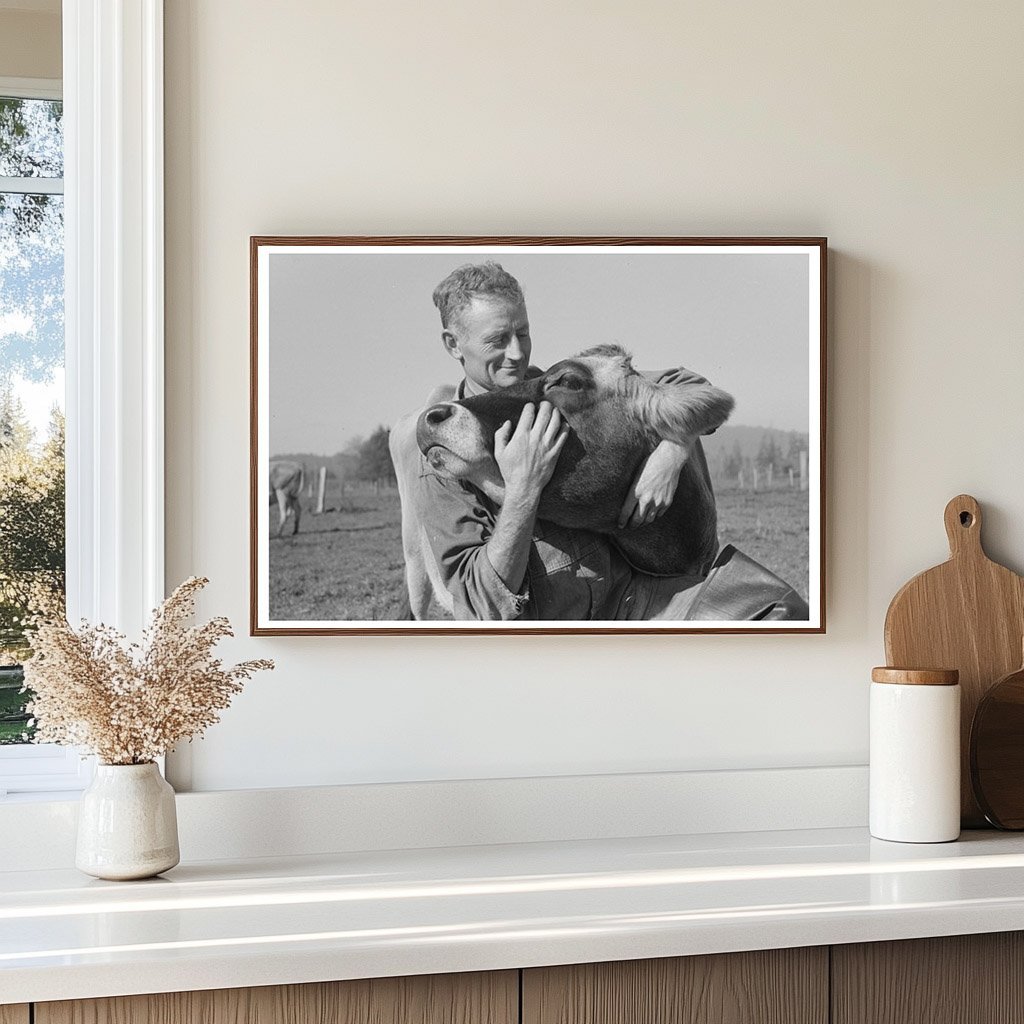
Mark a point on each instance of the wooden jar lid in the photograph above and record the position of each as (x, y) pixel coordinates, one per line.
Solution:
(918, 676)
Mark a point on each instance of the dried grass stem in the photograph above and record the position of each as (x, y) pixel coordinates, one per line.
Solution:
(130, 703)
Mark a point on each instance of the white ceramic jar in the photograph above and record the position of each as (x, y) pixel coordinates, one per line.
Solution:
(915, 755)
(127, 823)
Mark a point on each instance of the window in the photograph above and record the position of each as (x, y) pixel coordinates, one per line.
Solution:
(31, 382)
(32, 535)
(113, 335)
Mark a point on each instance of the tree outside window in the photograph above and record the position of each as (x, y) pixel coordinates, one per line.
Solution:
(31, 386)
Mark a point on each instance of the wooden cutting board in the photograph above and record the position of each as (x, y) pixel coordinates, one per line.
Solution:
(967, 614)
(997, 752)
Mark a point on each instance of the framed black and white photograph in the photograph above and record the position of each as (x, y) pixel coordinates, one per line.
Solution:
(523, 435)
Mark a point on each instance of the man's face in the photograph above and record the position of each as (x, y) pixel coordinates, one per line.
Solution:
(491, 338)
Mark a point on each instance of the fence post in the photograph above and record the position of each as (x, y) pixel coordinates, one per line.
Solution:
(803, 471)
(321, 487)
(756, 475)
(791, 477)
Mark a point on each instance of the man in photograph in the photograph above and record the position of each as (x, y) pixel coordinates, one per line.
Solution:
(480, 560)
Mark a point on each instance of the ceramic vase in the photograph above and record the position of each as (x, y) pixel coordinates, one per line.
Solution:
(127, 825)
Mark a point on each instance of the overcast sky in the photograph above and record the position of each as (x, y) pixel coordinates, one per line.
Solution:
(355, 338)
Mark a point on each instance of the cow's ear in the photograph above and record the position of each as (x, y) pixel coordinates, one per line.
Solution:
(681, 413)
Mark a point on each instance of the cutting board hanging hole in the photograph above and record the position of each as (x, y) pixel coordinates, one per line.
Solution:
(963, 526)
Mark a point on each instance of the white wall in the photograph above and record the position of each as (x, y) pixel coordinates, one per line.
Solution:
(894, 129)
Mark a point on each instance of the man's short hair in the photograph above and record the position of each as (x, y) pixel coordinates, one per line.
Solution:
(464, 283)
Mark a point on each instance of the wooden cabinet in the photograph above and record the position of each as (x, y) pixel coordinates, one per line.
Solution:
(778, 986)
(969, 979)
(491, 998)
(963, 979)
(966, 979)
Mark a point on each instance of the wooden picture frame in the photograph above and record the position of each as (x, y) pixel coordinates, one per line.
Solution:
(347, 348)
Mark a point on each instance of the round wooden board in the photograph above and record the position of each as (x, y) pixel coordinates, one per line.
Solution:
(997, 752)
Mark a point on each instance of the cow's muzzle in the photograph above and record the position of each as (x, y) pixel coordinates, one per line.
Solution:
(453, 440)
(430, 427)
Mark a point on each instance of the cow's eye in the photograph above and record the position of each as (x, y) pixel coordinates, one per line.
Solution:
(569, 381)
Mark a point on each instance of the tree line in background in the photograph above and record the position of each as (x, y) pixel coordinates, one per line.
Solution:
(758, 457)
(734, 452)
(373, 459)
(769, 456)
(363, 460)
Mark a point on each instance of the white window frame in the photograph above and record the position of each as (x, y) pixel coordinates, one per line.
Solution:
(32, 89)
(114, 336)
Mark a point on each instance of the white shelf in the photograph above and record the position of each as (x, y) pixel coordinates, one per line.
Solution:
(223, 924)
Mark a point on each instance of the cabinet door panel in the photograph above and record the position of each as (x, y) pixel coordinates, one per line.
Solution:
(14, 1014)
(960, 979)
(778, 986)
(482, 998)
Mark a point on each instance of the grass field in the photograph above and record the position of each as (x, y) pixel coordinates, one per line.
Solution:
(347, 563)
(344, 564)
(771, 526)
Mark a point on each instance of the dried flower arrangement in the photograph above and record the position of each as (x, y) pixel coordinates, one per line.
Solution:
(129, 704)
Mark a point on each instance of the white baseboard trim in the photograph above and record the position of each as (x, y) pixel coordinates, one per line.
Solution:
(241, 824)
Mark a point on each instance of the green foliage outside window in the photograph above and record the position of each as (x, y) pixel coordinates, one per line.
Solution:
(31, 353)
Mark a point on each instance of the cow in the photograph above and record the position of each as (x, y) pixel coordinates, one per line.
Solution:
(287, 479)
(616, 418)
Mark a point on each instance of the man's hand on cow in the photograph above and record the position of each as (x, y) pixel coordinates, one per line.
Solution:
(527, 455)
(654, 487)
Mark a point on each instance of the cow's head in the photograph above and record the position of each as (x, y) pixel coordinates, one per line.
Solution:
(616, 418)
